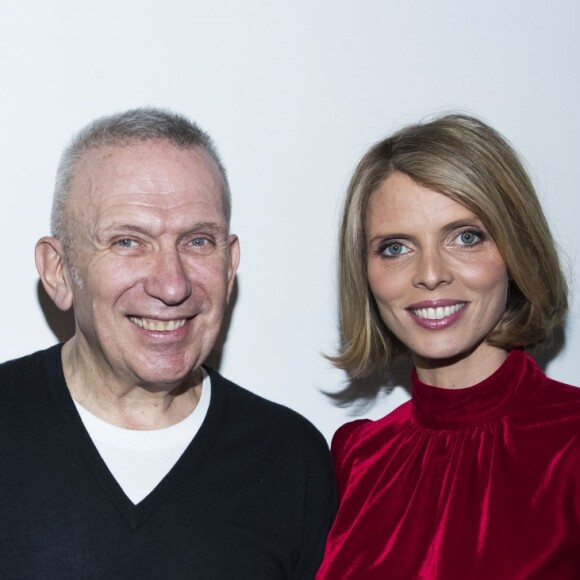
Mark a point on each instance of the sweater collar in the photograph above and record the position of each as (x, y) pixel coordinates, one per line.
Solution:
(490, 399)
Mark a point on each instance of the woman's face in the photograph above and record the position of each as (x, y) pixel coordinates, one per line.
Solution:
(437, 276)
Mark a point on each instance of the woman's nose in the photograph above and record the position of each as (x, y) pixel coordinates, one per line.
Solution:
(432, 270)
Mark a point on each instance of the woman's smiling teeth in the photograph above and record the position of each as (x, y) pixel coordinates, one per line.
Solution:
(439, 312)
(158, 325)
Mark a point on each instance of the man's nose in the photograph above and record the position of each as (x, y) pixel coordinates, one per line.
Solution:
(168, 280)
(432, 269)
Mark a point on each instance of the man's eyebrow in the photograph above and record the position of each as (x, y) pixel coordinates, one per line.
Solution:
(119, 228)
(215, 226)
(123, 227)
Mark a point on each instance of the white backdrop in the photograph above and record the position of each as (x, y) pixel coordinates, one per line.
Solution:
(293, 94)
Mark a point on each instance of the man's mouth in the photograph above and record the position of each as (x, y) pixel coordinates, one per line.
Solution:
(439, 312)
(158, 325)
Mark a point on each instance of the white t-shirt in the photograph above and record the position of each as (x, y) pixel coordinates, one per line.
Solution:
(139, 460)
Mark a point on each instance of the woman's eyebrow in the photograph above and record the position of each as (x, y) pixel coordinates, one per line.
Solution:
(464, 222)
(468, 221)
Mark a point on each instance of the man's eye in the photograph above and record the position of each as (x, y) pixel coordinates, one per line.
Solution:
(126, 243)
(202, 245)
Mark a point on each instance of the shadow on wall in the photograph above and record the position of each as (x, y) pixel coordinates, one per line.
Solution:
(545, 354)
(361, 395)
(214, 360)
(62, 324)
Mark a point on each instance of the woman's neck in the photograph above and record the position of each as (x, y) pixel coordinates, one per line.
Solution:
(462, 371)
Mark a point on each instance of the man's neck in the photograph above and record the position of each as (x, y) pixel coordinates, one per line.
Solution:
(123, 403)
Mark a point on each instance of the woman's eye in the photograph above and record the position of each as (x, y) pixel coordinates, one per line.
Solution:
(393, 249)
(469, 238)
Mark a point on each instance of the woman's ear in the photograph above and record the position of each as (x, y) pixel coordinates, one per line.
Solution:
(53, 271)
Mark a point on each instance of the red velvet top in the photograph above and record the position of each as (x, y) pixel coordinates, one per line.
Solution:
(476, 483)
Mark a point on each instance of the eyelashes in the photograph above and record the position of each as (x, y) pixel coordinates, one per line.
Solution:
(471, 237)
(392, 249)
(467, 238)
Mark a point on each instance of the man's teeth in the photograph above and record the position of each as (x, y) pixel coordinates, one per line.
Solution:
(159, 325)
(439, 312)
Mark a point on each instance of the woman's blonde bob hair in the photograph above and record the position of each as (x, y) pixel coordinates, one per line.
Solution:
(468, 161)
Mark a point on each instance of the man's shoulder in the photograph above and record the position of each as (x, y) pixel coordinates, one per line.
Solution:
(25, 365)
(260, 412)
(27, 371)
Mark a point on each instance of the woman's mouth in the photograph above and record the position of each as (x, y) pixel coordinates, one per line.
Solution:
(438, 312)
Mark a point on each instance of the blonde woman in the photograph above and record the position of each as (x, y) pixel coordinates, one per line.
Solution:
(445, 253)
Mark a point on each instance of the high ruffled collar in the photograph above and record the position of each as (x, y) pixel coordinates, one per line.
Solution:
(490, 399)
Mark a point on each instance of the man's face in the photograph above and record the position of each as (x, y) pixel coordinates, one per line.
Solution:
(154, 258)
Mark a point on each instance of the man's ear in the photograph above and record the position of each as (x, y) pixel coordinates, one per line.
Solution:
(53, 271)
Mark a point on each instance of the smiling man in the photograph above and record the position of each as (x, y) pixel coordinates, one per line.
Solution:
(123, 457)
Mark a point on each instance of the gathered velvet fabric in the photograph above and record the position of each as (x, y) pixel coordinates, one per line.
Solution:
(475, 483)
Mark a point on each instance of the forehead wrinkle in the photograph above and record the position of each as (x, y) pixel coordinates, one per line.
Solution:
(139, 190)
(180, 202)
(163, 186)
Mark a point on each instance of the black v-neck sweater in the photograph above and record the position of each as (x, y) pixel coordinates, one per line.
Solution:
(252, 497)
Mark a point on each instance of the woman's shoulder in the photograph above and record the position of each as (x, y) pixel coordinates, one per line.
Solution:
(345, 432)
(355, 442)
(555, 393)
(361, 430)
